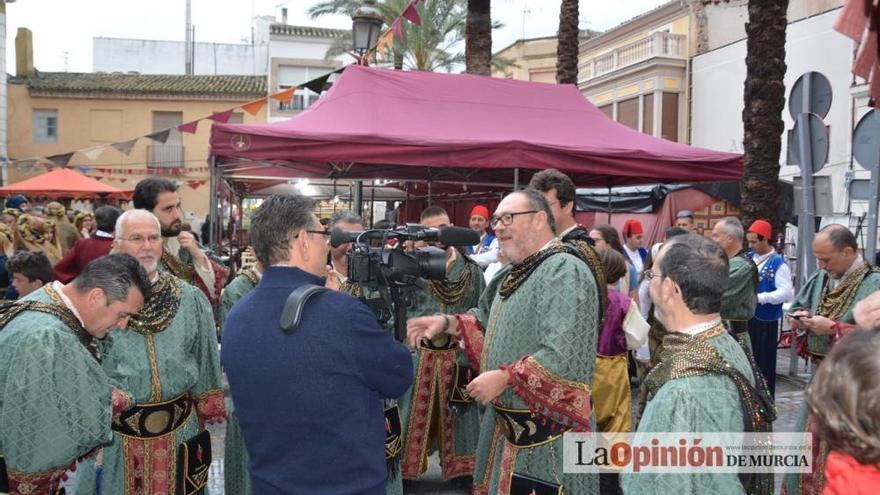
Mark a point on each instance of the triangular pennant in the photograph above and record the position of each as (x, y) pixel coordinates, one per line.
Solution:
(397, 29)
(83, 170)
(254, 107)
(317, 85)
(93, 153)
(25, 165)
(285, 96)
(160, 136)
(195, 184)
(189, 127)
(61, 160)
(222, 117)
(412, 14)
(122, 181)
(125, 147)
(385, 44)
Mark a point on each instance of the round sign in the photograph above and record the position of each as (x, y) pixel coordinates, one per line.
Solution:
(866, 141)
(817, 99)
(817, 142)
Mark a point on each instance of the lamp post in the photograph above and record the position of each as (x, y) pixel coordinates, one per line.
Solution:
(366, 23)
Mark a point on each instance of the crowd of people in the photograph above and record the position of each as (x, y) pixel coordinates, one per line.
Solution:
(544, 327)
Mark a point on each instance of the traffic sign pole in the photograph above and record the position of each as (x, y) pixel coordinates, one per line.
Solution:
(806, 218)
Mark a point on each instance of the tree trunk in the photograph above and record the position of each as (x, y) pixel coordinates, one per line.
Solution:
(567, 45)
(478, 38)
(764, 95)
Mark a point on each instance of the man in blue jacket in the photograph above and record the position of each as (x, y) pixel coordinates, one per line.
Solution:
(309, 401)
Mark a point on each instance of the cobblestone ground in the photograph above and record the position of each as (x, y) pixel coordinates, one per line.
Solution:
(789, 401)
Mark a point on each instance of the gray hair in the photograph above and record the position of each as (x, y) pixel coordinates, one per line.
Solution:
(734, 228)
(345, 216)
(538, 202)
(134, 215)
(277, 222)
(115, 274)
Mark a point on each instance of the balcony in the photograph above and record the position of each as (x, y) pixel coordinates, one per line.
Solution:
(165, 156)
(655, 45)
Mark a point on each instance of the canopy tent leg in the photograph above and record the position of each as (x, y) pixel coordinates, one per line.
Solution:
(406, 208)
(372, 204)
(610, 185)
(357, 198)
(212, 214)
(516, 179)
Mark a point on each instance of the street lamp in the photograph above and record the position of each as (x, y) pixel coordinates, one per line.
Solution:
(366, 23)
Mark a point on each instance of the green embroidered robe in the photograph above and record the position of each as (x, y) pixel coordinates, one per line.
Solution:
(741, 297)
(182, 359)
(435, 375)
(235, 474)
(705, 403)
(55, 404)
(546, 333)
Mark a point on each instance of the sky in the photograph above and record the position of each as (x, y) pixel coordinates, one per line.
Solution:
(63, 29)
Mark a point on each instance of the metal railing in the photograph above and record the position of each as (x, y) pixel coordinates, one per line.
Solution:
(166, 156)
(659, 44)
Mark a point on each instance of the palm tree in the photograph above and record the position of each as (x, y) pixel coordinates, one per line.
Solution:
(478, 38)
(764, 95)
(567, 46)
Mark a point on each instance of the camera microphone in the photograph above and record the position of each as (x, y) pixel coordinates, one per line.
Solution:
(458, 236)
(448, 236)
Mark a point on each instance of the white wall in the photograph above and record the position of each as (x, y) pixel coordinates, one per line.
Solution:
(4, 150)
(811, 45)
(167, 57)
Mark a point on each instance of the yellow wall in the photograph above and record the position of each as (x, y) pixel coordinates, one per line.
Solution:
(85, 122)
(680, 25)
(535, 60)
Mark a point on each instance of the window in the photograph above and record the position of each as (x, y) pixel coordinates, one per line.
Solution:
(169, 154)
(628, 113)
(303, 98)
(669, 122)
(648, 114)
(608, 110)
(45, 126)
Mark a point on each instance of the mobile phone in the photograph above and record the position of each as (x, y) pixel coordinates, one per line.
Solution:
(798, 317)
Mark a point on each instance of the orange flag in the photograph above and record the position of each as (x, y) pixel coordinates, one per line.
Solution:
(253, 107)
(386, 43)
(284, 96)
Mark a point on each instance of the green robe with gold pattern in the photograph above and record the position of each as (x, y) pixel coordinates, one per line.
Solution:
(435, 370)
(55, 404)
(703, 403)
(235, 474)
(741, 297)
(171, 353)
(544, 333)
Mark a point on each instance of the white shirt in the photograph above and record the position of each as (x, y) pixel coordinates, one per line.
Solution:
(57, 286)
(101, 233)
(635, 258)
(566, 231)
(784, 289)
(700, 327)
(485, 256)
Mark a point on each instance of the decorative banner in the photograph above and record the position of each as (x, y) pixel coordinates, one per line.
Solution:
(93, 153)
(285, 96)
(61, 160)
(160, 136)
(222, 117)
(122, 181)
(189, 127)
(412, 14)
(195, 184)
(125, 146)
(254, 107)
(397, 29)
(385, 44)
(317, 85)
(26, 166)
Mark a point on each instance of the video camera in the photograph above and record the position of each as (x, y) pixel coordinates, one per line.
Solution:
(396, 271)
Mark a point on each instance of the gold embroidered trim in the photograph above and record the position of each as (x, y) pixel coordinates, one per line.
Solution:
(553, 377)
(177, 267)
(490, 332)
(160, 308)
(155, 382)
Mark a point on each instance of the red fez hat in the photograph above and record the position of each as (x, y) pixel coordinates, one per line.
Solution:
(762, 228)
(480, 210)
(632, 227)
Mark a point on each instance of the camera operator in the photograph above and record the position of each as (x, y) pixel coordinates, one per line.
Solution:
(424, 409)
(308, 401)
(347, 221)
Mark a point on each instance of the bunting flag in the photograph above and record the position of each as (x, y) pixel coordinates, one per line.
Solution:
(26, 166)
(317, 85)
(93, 153)
(397, 29)
(122, 180)
(254, 107)
(61, 160)
(189, 127)
(195, 184)
(160, 136)
(412, 14)
(285, 96)
(385, 44)
(222, 117)
(125, 147)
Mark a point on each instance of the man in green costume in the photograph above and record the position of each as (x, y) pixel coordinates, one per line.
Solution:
(57, 403)
(703, 381)
(425, 413)
(167, 358)
(532, 338)
(741, 295)
(824, 308)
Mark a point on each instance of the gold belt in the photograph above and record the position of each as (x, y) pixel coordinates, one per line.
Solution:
(151, 420)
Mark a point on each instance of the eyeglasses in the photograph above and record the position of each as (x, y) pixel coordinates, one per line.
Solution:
(507, 218)
(649, 274)
(139, 239)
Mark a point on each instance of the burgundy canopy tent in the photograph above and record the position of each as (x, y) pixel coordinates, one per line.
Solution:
(455, 128)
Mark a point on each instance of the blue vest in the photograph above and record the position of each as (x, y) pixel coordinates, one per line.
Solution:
(485, 244)
(767, 283)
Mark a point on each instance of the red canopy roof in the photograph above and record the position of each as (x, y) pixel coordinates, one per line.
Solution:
(376, 123)
(63, 183)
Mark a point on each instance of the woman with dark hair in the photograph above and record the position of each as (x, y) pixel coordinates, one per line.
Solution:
(605, 236)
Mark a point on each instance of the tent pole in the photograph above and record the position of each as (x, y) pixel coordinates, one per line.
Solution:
(516, 179)
(212, 214)
(358, 197)
(610, 185)
(372, 204)
(430, 198)
(406, 208)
